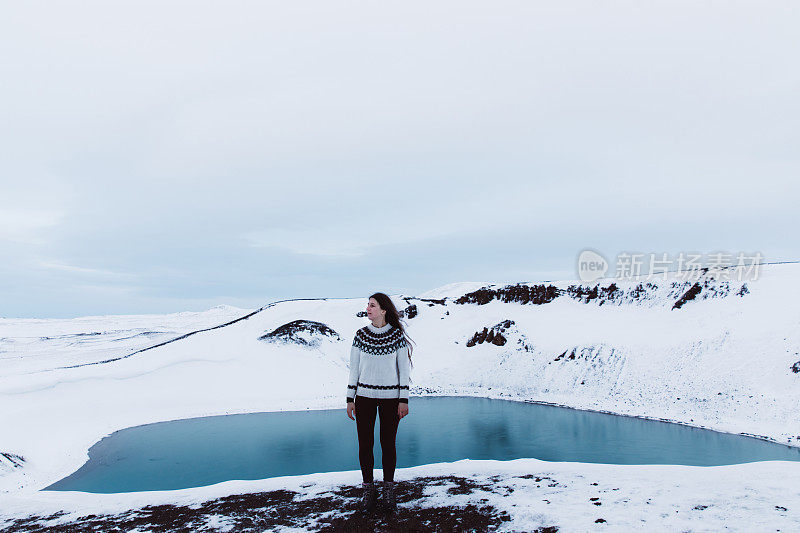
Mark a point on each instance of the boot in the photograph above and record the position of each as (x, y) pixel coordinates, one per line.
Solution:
(369, 498)
(388, 498)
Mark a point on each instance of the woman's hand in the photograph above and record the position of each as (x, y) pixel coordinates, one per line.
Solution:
(350, 408)
(402, 410)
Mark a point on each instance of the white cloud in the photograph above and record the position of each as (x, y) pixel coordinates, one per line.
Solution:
(56, 265)
(26, 225)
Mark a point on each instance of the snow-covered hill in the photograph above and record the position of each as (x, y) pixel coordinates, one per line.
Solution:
(34, 344)
(715, 354)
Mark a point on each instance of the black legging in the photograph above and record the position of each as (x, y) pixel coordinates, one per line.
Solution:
(365, 424)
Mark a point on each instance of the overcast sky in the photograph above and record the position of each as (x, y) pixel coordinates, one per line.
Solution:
(162, 156)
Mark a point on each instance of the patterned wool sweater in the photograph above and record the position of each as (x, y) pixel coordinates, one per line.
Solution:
(379, 364)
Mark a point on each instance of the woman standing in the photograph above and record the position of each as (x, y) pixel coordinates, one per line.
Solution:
(379, 376)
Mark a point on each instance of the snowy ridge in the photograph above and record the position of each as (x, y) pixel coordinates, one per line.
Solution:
(668, 292)
(453, 290)
(30, 345)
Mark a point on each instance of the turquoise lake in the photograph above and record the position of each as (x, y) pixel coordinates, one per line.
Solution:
(203, 451)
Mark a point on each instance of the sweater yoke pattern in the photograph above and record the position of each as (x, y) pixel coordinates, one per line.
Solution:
(379, 364)
(385, 343)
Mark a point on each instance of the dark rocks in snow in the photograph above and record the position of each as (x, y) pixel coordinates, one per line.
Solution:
(463, 485)
(650, 291)
(594, 356)
(520, 293)
(645, 291)
(743, 290)
(433, 301)
(11, 459)
(333, 510)
(613, 294)
(718, 289)
(585, 294)
(796, 367)
(409, 312)
(581, 293)
(487, 336)
(572, 354)
(302, 332)
(494, 335)
(69, 335)
(704, 289)
(560, 357)
(522, 341)
(689, 295)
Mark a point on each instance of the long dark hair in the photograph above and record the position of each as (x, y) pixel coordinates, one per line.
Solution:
(393, 318)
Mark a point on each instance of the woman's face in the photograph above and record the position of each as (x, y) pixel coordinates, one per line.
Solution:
(374, 311)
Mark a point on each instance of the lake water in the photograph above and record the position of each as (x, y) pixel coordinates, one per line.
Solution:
(203, 451)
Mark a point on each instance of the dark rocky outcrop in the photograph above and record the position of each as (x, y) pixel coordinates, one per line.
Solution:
(493, 335)
(796, 367)
(717, 289)
(601, 295)
(432, 301)
(409, 312)
(675, 292)
(689, 295)
(520, 293)
(302, 332)
(702, 289)
(612, 294)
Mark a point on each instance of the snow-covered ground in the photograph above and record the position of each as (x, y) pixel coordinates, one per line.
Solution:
(722, 360)
(466, 495)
